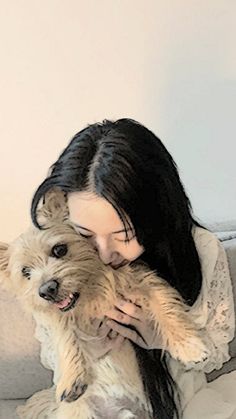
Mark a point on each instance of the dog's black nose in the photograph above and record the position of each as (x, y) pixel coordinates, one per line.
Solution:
(49, 290)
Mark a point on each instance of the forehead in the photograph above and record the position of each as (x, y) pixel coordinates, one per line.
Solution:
(34, 242)
(93, 212)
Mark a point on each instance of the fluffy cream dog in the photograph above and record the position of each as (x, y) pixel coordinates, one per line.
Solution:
(60, 279)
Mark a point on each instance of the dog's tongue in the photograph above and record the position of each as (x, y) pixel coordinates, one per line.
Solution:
(63, 303)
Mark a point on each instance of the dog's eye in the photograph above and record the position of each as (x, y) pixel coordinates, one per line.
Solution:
(26, 272)
(59, 250)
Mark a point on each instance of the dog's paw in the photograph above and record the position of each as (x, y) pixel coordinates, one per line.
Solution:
(190, 351)
(77, 389)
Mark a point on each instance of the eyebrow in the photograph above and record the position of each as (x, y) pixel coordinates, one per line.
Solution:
(114, 232)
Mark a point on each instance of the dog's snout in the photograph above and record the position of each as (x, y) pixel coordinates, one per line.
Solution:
(49, 289)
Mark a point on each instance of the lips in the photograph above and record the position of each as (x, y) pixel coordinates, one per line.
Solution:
(118, 265)
(68, 303)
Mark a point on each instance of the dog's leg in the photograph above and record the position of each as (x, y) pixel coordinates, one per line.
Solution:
(80, 409)
(74, 374)
(173, 320)
(40, 406)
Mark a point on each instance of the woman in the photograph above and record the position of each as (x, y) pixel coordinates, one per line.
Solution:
(125, 195)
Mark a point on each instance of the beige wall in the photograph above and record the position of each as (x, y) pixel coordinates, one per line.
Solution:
(169, 64)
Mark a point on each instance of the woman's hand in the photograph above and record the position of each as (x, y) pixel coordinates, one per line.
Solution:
(130, 314)
(103, 342)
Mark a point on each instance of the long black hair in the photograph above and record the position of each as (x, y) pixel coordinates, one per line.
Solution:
(125, 163)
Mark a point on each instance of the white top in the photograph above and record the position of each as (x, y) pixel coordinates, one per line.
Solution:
(214, 313)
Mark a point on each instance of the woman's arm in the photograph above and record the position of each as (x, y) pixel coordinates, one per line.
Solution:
(213, 311)
(215, 308)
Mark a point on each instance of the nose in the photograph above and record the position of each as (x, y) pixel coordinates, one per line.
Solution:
(104, 250)
(105, 256)
(49, 289)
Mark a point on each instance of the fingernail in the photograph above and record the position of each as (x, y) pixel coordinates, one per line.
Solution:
(63, 395)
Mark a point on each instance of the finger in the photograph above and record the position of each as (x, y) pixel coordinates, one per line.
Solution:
(122, 317)
(112, 334)
(128, 333)
(129, 308)
(134, 299)
(96, 323)
(118, 342)
(115, 343)
(103, 331)
(123, 331)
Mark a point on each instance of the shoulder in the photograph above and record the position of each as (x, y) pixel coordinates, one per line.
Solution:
(208, 247)
(206, 242)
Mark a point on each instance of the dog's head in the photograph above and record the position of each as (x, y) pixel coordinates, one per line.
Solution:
(56, 269)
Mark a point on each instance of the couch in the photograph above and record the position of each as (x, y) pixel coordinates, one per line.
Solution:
(21, 373)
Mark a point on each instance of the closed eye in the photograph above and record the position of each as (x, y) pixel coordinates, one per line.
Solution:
(85, 235)
(127, 240)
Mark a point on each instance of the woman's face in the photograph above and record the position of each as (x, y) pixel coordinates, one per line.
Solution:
(96, 219)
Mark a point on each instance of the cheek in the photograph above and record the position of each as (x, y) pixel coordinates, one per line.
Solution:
(131, 251)
(20, 286)
(24, 287)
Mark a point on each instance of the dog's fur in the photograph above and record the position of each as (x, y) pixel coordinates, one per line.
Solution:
(80, 380)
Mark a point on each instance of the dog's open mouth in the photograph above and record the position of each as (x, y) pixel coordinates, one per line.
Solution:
(68, 303)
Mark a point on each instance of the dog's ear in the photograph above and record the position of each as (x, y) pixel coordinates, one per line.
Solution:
(53, 208)
(4, 256)
(5, 282)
